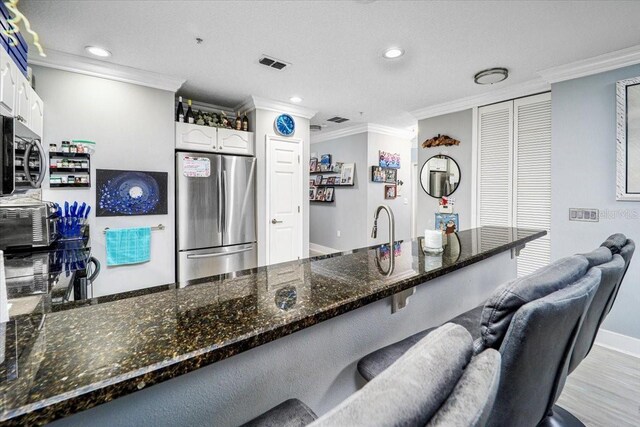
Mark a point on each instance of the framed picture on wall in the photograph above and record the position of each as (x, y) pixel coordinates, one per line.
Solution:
(312, 193)
(324, 181)
(390, 176)
(313, 164)
(377, 174)
(389, 191)
(389, 160)
(628, 139)
(328, 194)
(347, 174)
(318, 180)
(126, 193)
(320, 194)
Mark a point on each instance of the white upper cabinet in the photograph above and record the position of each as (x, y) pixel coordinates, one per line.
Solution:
(8, 84)
(195, 137)
(36, 120)
(235, 142)
(23, 106)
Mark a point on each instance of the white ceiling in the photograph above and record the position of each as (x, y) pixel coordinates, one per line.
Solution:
(335, 46)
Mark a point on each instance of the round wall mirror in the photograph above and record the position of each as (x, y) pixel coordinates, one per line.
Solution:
(440, 176)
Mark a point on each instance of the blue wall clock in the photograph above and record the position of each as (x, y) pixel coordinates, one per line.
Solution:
(284, 125)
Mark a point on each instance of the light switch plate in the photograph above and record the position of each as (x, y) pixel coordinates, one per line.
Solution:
(584, 214)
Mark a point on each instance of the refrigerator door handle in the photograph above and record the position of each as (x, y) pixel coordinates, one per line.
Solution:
(195, 256)
(220, 209)
(224, 200)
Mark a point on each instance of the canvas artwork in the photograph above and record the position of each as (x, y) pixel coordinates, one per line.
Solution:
(124, 193)
(447, 223)
(377, 174)
(389, 160)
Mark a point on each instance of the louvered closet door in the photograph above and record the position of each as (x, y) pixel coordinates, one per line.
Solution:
(495, 136)
(532, 177)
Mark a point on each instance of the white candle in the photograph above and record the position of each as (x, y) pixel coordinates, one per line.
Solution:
(433, 240)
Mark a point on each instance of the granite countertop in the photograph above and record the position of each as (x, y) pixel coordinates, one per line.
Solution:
(70, 360)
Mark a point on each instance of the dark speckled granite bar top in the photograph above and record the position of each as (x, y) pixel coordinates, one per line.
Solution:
(64, 362)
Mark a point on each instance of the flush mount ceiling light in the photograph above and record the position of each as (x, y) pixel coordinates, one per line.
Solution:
(295, 99)
(98, 51)
(491, 76)
(393, 53)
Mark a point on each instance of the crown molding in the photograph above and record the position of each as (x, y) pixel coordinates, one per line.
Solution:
(597, 64)
(510, 92)
(361, 128)
(93, 67)
(258, 103)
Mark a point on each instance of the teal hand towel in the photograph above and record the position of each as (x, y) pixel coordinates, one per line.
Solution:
(128, 246)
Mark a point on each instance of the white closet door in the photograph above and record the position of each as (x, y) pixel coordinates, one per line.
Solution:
(532, 177)
(495, 153)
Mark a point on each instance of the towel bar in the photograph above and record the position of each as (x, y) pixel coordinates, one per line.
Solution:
(157, 227)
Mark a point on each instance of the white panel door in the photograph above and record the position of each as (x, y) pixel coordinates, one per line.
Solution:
(495, 153)
(284, 199)
(532, 177)
(8, 84)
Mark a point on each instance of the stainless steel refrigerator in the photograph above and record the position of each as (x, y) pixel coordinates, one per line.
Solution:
(216, 214)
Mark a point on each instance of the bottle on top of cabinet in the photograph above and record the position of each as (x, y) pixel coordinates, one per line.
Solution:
(238, 121)
(180, 111)
(245, 122)
(189, 118)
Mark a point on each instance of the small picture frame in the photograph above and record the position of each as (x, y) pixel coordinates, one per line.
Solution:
(390, 176)
(328, 194)
(377, 174)
(337, 167)
(389, 191)
(320, 194)
(312, 182)
(325, 181)
(312, 193)
(389, 160)
(331, 180)
(318, 180)
(347, 174)
(324, 167)
(325, 159)
(313, 164)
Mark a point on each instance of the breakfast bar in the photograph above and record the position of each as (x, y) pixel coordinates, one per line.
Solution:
(96, 363)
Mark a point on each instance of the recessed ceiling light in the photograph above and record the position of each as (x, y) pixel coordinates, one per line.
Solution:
(295, 99)
(491, 76)
(393, 53)
(98, 51)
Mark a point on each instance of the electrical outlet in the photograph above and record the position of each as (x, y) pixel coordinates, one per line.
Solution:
(581, 214)
(338, 233)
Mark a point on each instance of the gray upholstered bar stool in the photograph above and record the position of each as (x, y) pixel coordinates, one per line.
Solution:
(534, 322)
(437, 383)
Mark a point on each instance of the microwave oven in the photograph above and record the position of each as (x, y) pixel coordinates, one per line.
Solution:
(22, 158)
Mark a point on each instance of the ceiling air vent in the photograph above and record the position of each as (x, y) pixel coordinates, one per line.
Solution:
(315, 128)
(273, 63)
(337, 119)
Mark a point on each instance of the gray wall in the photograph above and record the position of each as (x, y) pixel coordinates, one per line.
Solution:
(401, 206)
(348, 212)
(133, 128)
(459, 126)
(583, 173)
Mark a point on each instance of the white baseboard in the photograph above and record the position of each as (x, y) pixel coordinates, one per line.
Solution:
(622, 343)
(322, 249)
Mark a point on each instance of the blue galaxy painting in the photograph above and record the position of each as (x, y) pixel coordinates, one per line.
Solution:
(123, 193)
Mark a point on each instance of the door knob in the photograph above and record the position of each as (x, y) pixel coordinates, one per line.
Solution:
(275, 221)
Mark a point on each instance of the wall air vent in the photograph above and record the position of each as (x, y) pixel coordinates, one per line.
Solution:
(273, 63)
(315, 128)
(337, 119)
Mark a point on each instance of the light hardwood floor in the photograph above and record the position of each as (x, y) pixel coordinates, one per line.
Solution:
(604, 390)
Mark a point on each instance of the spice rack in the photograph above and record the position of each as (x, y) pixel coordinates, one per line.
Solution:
(62, 165)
